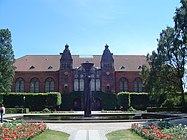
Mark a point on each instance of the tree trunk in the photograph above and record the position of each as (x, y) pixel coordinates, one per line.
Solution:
(182, 96)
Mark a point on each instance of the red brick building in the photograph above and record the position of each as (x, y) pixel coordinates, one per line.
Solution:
(64, 73)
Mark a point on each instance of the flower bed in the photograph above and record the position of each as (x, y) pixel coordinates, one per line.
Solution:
(160, 131)
(20, 130)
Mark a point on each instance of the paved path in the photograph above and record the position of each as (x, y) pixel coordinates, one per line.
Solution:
(84, 131)
(88, 131)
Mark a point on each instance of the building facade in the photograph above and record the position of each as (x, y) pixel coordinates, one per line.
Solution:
(64, 73)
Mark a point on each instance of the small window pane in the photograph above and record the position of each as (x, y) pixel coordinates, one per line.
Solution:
(123, 84)
(49, 85)
(97, 84)
(20, 85)
(92, 85)
(76, 85)
(138, 85)
(34, 85)
(81, 85)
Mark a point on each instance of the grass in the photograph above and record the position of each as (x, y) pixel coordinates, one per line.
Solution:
(123, 135)
(52, 135)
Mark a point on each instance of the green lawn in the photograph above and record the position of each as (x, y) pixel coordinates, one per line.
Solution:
(52, 135)
(115, 135)
(123, 135)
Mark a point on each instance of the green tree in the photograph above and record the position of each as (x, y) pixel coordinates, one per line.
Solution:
(6, 61)
(161, 77)
(180, 51)
(167, 64)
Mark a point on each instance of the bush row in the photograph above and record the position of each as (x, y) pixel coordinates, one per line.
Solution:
(68, 101)
(141, 101)
(108, 101)
(33, 101)
(138, 101)
(122, 100)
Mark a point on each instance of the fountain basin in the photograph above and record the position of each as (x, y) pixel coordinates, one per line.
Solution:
(104, 117)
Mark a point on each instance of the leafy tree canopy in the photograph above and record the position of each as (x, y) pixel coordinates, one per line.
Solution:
(6, 60)
(167, 63)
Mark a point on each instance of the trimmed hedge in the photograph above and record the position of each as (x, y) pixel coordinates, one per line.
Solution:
(33, 101)
(138, 101)
(68, 100)
(123, 100)
(108, 100)
(141, 101)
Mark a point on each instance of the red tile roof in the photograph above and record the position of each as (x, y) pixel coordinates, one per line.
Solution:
(52, 62)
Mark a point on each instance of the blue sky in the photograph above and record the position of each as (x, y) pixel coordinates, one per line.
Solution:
(129, 27)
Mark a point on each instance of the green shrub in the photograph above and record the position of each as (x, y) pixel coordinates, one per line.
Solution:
(108, 100)
(139, 101)
(68, 100)
(131, 109)
(16, 110)
(1, 98)
(123, 100)
(156, 99)
(33, 101)
(46, 110)
(172, 102)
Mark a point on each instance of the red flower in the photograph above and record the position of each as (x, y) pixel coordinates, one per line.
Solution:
(169, 137)
(153, 127)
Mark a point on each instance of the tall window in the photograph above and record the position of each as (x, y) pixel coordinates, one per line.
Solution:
(34, 85)
(97, 84)
(20, 85)
(123, 84)
(92, 84)
(76, 85)
(138, 85)
(49, 85)
(79, 75)
(81, 85)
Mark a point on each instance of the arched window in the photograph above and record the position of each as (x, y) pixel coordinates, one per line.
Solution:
(20, 85)
(76, 85)
(49, 85)
(81, 84)
(34, 85)
(97, 84)
(92, 84)
(138, 85)
(123, 84)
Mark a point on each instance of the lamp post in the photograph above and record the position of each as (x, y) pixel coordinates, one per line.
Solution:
(87, 100)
